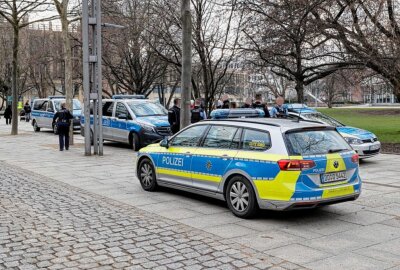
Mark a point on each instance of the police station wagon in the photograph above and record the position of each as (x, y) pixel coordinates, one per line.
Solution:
(137, 122)
(44, 110)
(255, 163)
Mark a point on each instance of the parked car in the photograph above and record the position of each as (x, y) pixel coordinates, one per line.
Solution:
(364, 142)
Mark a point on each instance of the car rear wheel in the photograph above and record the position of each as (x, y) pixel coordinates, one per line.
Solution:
(35, 127)
(147, 175)
(241, 198)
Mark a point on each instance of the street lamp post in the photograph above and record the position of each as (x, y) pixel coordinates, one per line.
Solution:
(92, 75)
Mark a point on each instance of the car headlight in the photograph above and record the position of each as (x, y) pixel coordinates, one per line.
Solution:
(352, 140)
(148, 128)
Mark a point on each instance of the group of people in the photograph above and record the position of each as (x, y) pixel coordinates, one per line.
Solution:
(8, 113)
(198, 113)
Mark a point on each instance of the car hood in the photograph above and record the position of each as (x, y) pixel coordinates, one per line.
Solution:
(157, 121)
(355, 132)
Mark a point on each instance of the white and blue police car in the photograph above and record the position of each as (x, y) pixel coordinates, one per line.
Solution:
(252, 162)
(132, 120)
(44, 109)
(364, 142)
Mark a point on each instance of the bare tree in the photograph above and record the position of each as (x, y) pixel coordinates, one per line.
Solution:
(369, 30)
(282, 35)
(16, 12)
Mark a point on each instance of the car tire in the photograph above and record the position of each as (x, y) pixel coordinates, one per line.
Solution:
(134, 141)
(147, 175)
(35, 127)
(241, 198)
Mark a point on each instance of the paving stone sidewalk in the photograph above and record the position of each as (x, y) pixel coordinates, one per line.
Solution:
(48, 224)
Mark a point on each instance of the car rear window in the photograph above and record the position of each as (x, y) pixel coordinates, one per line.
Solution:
(315, 142)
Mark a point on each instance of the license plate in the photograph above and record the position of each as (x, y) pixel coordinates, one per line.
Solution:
(374, 147)
(333, 177)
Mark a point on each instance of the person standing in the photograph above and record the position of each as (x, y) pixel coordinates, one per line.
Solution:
(62, 119)
(279, 110)
(174, 116)
(8, 114)
(198, 112)
(27, 110)
(259, 104)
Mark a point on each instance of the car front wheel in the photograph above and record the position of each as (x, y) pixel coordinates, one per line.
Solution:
(241, 198)
(35, 127)
(147, 175)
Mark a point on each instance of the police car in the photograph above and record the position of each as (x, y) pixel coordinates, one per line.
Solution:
(364, 142)
(253, 163)
(44, 109)
(137, 122)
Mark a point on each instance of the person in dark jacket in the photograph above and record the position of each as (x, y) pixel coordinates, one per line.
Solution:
(259, 104)
(8, 114)
(62, 119)
(197, 113)
(27, 109)
(174, 116)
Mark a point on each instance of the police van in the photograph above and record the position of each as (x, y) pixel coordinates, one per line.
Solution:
(137, 122)
(254, 163)
(44, 109)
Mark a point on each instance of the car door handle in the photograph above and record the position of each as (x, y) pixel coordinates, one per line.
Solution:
(188, 154)
(225, 157)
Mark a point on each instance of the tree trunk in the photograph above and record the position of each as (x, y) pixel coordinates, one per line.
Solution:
(14, 122)
(69, 91)
(300, 91)
(186, 62)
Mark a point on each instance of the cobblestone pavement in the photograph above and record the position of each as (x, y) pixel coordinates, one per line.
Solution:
(364, 234)
(46, 224)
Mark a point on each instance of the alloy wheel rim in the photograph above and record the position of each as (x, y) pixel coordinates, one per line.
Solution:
(146, 174)
(239, 196)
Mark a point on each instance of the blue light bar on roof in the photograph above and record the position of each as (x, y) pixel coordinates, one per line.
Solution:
(56, 97)
(129, 97)
(236, 113)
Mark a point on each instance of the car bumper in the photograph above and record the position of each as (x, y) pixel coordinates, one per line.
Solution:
(309, 204)
(147, 138)
(367, 149)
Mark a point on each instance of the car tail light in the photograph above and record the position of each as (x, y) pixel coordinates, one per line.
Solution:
(355, 158)
(295, 164)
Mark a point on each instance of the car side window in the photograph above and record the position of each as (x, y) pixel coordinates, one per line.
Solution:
(121, 109)
(50, 107)
(37, 106)
(256, 140)
(108, 109)
(189, 137)
(43, 107)
(220, 137)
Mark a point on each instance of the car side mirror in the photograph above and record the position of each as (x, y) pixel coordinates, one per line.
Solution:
(164, 143)
(123, 116)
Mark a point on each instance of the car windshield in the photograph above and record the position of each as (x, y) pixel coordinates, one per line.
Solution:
(315, 142)
(322, 118)
(141, 109)
(76, 104)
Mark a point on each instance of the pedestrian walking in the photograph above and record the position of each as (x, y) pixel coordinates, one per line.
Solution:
(174, 116)
(28, 110)
(259, 104)
(62, 119)
(8, 114)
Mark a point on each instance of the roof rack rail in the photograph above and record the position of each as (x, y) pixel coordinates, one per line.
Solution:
(56, 97)
(245, 120)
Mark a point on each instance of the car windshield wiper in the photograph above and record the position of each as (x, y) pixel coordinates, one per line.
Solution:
(336, 150)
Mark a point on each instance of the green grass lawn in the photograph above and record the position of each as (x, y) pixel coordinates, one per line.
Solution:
(385, 123)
